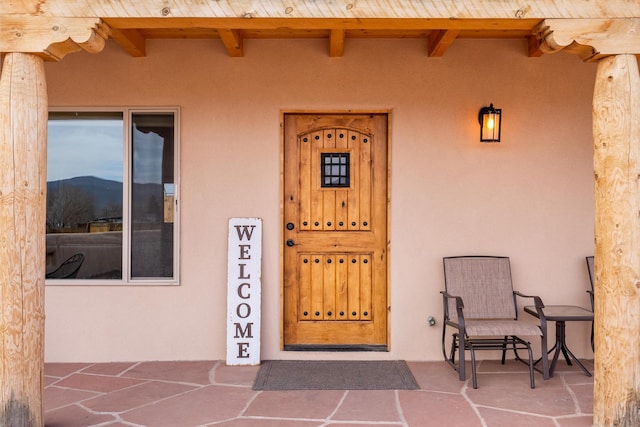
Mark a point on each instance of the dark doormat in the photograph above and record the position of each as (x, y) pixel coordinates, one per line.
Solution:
(334, 375)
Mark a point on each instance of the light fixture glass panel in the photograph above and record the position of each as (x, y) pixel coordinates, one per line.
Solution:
(490, 119)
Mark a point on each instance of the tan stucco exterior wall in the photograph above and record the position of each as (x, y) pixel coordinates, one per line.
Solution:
(529, 197)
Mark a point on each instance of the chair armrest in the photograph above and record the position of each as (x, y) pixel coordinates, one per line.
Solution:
(536, 299)
(539, 306)
(446, 296)
(591, 298)
(459, 306)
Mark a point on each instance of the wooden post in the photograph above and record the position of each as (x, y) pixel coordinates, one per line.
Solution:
(23, 151)
(616, 134)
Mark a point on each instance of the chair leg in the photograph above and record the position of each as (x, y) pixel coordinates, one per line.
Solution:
(545, 356)
(504, 349)
(461, 353)
(533, 381)
(454, 347)
(515, 350)
(473, 366)
(450, 357)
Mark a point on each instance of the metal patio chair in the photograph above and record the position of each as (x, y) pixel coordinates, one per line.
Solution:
(68, 269)
(480, 306)
(590, 292)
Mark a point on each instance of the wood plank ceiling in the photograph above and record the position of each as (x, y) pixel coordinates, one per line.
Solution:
(54, 28)
(439, 34)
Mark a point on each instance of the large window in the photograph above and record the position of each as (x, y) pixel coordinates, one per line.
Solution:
(112, 197)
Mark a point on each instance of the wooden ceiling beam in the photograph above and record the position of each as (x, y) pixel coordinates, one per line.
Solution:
(395, 24)
(132, 41)
(232, 40)
(439, 42)
(533, 45)
(336, 43)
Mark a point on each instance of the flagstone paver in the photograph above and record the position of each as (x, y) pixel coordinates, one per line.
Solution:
(209, 393)
(75, 416)
(308, 404)
(372, 405)
(194, 408)
(428, 408)
(186, 372)
(135, 397)
(97, 383)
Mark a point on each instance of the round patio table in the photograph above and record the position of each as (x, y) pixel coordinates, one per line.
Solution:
(562, 314)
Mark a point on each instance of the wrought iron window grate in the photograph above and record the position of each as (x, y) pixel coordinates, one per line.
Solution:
(335, 170)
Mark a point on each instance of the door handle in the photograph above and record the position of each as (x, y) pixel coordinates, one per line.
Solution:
(290, 242)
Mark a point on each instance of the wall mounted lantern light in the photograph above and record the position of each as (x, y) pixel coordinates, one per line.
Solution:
(490, 123)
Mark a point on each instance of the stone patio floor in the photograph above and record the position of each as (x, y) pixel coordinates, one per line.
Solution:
(209, 393)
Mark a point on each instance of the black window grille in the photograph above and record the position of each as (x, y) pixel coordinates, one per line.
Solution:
(335, 170)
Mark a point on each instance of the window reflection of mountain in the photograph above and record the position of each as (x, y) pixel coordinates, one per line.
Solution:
(74, 203)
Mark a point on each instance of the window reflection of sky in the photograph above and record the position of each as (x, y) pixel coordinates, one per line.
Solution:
(85, 148)
(88, 147)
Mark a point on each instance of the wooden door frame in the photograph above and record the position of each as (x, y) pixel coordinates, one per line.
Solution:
(386, 112)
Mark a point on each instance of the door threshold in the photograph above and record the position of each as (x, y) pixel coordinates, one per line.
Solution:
(335, 347)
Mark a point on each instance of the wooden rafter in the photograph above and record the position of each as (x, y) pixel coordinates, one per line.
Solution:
(132, 41)
(439, 41)
(336, 43)
(534, 47)
(232, 40)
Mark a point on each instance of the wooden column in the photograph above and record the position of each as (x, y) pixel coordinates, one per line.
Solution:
(23, 174)
(616, 138)
(23, 149)
(616, 134)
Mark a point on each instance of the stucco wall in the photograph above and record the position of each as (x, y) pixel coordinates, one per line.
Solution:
(529, 197)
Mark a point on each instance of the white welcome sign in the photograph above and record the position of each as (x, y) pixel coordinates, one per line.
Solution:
(244, 291)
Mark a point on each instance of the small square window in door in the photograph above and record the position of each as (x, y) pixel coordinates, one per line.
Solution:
(335, 170)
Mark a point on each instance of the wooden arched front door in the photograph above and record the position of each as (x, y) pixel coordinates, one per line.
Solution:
(335, 231)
